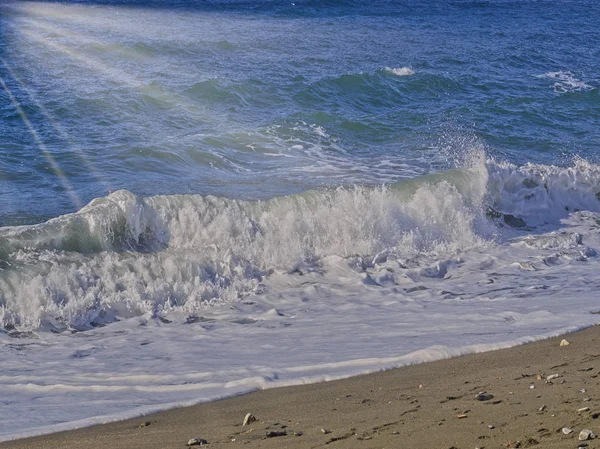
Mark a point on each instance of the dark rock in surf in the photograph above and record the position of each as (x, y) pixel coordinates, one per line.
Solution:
(22, 334)
(491, 213)
(530, 183)
(514, 222)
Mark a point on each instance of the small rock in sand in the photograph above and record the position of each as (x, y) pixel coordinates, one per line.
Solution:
(586, 434)
(542, 408)
(197, 442)
(552, 376)
(249, 419)
(276, 433)
(325, 431)
(583, 409)
(566, 430)
(564, 342)
(483, 396)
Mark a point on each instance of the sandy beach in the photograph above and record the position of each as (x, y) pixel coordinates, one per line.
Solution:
(532, 392)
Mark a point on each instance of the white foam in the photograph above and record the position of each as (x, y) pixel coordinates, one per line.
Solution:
(201, 298)
(565, 82)
(123, 255)
(401, 71)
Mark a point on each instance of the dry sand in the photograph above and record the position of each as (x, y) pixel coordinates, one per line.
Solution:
(431, 405)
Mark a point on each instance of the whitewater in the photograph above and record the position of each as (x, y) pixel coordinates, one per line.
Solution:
(203, 199)
(134, 305)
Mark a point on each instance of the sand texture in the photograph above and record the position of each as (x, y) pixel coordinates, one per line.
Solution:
(431, 405)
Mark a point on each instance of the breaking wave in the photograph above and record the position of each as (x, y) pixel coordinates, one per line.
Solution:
(123, 255)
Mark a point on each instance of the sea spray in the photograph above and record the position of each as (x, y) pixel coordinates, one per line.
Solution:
(124, 255)
(141, 254)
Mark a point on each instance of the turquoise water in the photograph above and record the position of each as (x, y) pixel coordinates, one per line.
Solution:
(253, 100)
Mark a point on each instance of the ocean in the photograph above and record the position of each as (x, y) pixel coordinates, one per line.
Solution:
(199, 199)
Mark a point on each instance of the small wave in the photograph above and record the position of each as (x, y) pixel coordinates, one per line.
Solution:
(565, 82)
(400, 71)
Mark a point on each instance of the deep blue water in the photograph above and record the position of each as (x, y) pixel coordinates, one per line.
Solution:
(249, 99)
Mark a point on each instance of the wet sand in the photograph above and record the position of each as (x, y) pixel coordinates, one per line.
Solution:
(432, 405)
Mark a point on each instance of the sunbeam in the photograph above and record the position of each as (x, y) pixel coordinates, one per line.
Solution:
(88, 17)
(42, 147)
(113, 74)
(154, 91)
(74, 147)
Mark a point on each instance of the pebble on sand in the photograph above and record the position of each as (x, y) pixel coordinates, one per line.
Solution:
(566, 430)
(483, 396)
(564, 342)
(249, 419)
(276, 433)
(586, 434)
(197, 442)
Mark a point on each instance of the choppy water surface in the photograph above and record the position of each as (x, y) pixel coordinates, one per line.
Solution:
(257, 99)
(178, 179)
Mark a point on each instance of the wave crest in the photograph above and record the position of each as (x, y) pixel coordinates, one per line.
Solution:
(122, 255)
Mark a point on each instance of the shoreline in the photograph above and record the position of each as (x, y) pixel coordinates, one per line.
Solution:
(425, 405)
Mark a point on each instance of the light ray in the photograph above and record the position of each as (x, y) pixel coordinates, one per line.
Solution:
(75, 148)
(77, 37)
(155, 91)
(43, 149)
(97, 18)
(111, 73)
(118, 76)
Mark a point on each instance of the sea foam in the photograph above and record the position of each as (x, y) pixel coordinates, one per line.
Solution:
(139, 304)
(565, 81)
(123, 255)
(401, 71)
